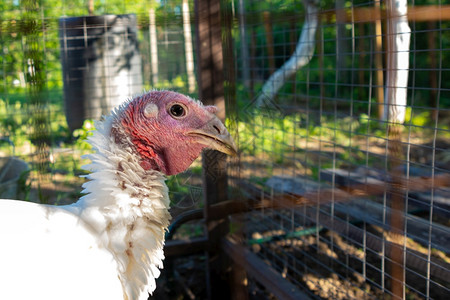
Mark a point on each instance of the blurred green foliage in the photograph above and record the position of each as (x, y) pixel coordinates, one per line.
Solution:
(352, 88)
(30, 45)
(82, 134)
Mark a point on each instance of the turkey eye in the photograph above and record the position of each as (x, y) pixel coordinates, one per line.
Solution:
(177, 111)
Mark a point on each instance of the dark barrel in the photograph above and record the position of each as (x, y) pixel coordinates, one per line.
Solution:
(101, 64)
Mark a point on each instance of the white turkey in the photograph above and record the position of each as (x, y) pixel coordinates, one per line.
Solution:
(109, 244)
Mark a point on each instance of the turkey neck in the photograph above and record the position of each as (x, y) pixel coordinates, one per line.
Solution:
(118, 186)
(126, 206)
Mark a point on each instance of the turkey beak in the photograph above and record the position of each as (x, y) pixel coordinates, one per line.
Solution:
(215, 136)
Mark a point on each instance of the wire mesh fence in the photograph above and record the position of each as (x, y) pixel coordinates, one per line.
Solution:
(351, 183)
(347, 186)
(64, 63)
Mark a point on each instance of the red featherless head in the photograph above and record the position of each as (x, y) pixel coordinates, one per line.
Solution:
(169, 130)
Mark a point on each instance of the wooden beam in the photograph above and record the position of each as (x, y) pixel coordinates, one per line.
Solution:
(359, 15)
(262, 272)
(372, 14)
(372, 212)
(413, 258)
(429, 13)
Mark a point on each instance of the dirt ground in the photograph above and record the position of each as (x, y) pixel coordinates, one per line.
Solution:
(332, 266)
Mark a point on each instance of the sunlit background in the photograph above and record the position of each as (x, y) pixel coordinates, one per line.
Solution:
(323, 170)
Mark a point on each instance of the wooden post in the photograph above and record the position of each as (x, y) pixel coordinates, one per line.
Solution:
(211, 92)
(91, 7)
(238, 275)
(153, 45)
(379, 90)
(397, 222)
(269, 41)
(361, 61)
(397, 45)
(244, 46)
(253, 66)
(188, 47)
(431, 37)
(341, 43)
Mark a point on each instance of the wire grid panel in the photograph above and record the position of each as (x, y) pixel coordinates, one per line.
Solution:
(349, 202)
(63, 64)
(60, 66)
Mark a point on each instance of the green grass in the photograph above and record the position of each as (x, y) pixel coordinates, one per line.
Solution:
(273, 136)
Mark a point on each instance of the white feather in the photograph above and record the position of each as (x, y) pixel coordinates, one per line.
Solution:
(106, 246)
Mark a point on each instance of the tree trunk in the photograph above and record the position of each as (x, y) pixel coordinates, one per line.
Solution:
(302, 55)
